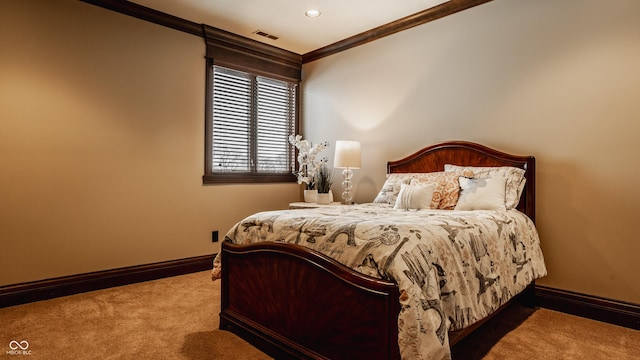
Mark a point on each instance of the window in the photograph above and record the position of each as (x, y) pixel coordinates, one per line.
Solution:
(252, 119)
(251, 109)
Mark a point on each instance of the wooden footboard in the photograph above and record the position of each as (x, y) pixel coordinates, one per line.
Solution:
(301, 304)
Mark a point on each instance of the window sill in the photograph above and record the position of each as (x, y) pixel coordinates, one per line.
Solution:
(247, 178)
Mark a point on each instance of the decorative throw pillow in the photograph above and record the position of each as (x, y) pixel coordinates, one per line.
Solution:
(482, 194)
(389, 192)
(515, 179)
(414, 197)
(446, 187)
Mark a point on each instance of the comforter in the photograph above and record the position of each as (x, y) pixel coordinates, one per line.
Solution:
(453, 268)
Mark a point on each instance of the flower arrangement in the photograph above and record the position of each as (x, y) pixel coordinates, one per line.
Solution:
(308, 166)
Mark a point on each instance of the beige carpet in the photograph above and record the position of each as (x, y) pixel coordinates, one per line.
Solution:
(176, 318)
(173, 318)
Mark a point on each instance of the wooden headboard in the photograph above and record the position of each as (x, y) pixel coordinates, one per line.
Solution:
(433, 158)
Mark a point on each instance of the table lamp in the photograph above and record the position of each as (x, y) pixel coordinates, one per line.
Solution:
(347, 157)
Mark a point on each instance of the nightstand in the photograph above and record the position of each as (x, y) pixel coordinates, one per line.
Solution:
(306, 205)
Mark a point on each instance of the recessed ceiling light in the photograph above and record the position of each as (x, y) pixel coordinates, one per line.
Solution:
(312, 13)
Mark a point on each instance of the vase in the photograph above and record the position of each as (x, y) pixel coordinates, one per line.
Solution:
(325, 198)
(310, 196)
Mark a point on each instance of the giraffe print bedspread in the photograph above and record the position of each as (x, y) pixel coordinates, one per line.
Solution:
(453, 268)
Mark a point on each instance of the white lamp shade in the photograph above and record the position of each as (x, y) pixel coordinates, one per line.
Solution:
(347, 154)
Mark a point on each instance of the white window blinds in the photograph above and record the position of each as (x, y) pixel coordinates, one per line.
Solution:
(253, 117)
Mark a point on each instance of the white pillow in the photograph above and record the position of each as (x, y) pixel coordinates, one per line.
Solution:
(514, 176)
(414, 197)
(482, 194)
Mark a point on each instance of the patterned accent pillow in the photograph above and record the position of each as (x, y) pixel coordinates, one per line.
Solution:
(446, 187)
(514, 177)
(389, 192)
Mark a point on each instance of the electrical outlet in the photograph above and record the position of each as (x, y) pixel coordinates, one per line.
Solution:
(214, 236)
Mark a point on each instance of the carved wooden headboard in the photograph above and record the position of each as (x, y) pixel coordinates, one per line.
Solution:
(433, 158)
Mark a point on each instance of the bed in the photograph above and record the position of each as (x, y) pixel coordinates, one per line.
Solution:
(378, 281)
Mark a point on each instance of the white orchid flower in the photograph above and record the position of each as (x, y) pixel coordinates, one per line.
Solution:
(308, 167)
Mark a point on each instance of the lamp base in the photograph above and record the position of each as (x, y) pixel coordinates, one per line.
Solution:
(347, 174)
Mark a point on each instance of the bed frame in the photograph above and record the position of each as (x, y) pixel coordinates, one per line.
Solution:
(293, 302)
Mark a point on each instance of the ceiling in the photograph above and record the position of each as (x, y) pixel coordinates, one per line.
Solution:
(286, 20)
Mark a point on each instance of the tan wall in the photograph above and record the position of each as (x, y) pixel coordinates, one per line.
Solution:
(101, 144)
(556, 79)
(101, 128)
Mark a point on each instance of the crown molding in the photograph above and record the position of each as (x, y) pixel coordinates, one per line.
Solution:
(177, 23)
(425, 16)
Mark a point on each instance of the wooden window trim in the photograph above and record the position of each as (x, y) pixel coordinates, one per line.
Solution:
(211, 177)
